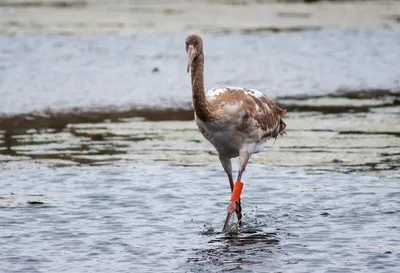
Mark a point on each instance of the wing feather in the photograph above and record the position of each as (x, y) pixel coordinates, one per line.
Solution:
(249, 109)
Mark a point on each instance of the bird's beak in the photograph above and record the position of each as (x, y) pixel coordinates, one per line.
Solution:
(191, 53)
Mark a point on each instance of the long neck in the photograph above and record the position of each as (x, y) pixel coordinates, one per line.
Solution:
(200, 103)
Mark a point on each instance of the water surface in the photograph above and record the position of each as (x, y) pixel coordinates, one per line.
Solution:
(158, 217)
(58, 72)
(105, 190)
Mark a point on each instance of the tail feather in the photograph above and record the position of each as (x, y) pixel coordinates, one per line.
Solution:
(281, 111)
(282, 124)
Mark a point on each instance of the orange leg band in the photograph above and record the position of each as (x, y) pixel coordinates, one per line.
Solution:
(237, 190)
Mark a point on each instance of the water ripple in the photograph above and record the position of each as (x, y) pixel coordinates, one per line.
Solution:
(112, 219)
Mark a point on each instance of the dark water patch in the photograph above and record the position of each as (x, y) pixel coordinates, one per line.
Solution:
(92, 136)
(287, 14)
(356, 101)
(248, 238)
(355, 132)
(314, 1)
(390, 154)
(350, 94)
(394, 17)
(65, 157)
(365, 94)
(58, 120)
(35, 202)
(66, 153)
(231, 252)
(17, 129)
(88, 150)
(39, 3)
(258, 30)
(20, 130)
(24, 142)
(170, 11)
(384, 165)
(8, 142)
(325, 109)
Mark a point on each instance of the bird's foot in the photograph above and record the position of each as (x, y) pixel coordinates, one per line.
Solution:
(233, 207)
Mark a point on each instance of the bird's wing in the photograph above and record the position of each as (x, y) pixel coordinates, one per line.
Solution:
(247, 110)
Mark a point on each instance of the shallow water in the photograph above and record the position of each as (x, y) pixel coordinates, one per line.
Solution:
(158, 217)
(343, 142)
(50, 71)
(125, 194)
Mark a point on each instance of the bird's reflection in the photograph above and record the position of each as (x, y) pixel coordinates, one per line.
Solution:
(230, 251)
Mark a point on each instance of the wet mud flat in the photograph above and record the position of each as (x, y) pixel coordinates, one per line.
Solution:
(345, 131)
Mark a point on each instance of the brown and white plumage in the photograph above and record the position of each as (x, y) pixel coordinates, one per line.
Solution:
(241, 117)
(237, 121)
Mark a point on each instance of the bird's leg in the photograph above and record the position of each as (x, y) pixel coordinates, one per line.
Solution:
(244, 157)
(227, 165)
(243, 160)
(235, 204)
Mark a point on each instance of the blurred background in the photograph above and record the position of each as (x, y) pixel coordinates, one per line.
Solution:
(101, 160)
(52, 56)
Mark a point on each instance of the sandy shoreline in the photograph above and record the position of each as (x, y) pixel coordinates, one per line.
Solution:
(77, 17)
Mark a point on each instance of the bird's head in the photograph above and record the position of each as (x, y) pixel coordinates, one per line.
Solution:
(194, 46)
